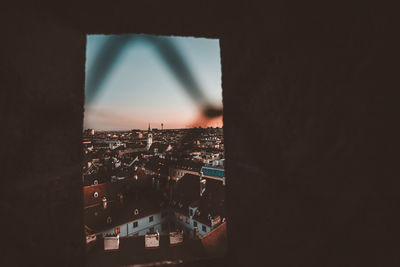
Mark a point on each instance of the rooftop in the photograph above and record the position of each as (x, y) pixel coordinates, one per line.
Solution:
(132, 250)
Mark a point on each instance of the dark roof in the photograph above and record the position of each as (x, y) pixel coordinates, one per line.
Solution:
(187, 165)
(160, 146)
(158, 165)
(187, 192)
(187, 188)
(110, 190)
(149, 203)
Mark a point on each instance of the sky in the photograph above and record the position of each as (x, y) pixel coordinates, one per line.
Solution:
(141, 89)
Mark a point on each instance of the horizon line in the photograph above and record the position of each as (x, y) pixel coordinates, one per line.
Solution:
(133, 129)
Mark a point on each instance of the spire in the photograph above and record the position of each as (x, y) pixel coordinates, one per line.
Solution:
(149, 138)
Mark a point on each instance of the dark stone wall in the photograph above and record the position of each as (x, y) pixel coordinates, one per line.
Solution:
(310, 121)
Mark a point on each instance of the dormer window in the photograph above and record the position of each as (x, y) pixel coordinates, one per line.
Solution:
(95, 182)
(136, 212)
(95, 194)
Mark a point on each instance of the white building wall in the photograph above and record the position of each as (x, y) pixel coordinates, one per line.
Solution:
(143, 227)
(189, 227)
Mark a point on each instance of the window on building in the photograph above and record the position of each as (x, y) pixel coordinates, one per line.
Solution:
(151, 218)
(135, 224)
(204, 228)
(187, 220)
(117, 230)
(195, 224)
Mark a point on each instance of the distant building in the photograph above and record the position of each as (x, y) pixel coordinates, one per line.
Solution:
(89, 132)
(149, 138)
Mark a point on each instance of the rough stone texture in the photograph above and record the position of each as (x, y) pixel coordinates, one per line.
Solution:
(310, 124)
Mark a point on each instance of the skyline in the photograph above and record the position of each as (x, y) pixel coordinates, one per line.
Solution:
(152, 128)
(141, 89)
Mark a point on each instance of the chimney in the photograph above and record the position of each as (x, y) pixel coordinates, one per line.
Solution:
(111, 243)
(202, 186)
(175, 238)
(152, 240)
(196, 233)
(104, 200)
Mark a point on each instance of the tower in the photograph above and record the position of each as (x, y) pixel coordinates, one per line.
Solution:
(149, 138)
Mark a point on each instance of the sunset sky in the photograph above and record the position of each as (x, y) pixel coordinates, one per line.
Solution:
(141, 88)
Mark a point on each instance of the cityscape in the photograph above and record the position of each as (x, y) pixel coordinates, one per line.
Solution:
(153, 194)
(155, 184)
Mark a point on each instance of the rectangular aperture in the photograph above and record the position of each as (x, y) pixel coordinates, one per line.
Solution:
(153, 169)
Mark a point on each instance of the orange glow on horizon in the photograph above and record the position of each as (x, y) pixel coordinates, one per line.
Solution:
(205, 122)
(121, 121)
